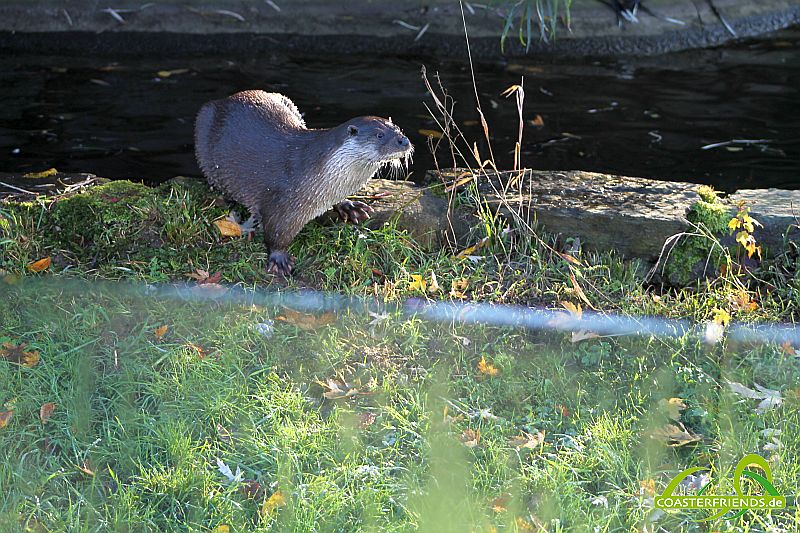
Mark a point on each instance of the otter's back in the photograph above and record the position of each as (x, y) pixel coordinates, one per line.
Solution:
(238, 136)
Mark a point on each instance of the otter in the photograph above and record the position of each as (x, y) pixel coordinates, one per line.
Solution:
(256, 148)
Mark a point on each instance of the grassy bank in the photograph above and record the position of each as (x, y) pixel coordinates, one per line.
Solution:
(126, 404)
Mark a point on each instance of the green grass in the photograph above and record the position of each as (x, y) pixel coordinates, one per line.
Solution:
(149, 418)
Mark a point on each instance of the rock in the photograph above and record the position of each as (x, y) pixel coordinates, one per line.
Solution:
(632, 216)
(413, 208)
(777, 210)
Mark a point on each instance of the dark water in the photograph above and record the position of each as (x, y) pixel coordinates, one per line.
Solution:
(643, 117)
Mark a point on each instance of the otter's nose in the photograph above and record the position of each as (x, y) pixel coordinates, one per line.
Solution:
(402, 140)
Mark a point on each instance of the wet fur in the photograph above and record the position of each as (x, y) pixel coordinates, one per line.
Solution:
(256, 148)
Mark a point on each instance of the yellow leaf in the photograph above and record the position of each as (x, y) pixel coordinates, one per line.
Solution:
(41, 264)
(418, 283)
(721, 317)
(44, 174)
(17, 354)
(674, 435)
(523, 525)
(574, 310)
(46, 411)
(734, 224)
(431, 133)
(487, 369)
(511, 90)
(222, 528)
(272, 503)
(5, 417)
(160, 331)
(228, 228)
(168, 73)
(648, 487)
(672, 407)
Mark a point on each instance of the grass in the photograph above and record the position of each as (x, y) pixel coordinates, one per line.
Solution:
(140, 422)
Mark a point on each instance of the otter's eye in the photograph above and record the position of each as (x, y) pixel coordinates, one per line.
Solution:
(352, 130)
(380, 135)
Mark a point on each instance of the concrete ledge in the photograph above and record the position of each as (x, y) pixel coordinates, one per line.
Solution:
(365, 26)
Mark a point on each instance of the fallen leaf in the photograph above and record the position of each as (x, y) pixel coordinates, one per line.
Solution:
(40, 265)
(306, 321)
(537, 121)
(471, 437)
(160, 332)
(457, 288)
(648, 487)
(675, 435)
(228, 228)
(46, 411)
(721, 317)
(578, 290)
(788, 349)
(672, 407)
(487, 369)
(44, 174)
(769, 398)
(251, 488)
(500, 504)
(743, 302)
(528, 440)
(570, 259)
(433, 286)
(272, 503)
(431, 133)
(582, 335)
(566, 413)
(366, 420)
(222, 528)
(223, 433)
(574, 310)
(175, 72)
(225, 470)
(17, 354)
(467, 252)
(86, 468)
(418, 283)
(337, 389)
(5, 417)
(523, 525)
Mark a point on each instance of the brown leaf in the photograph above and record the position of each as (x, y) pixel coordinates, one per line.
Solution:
(5, 417)
(306, 321)
(648, 487)
(788, 349)
(431, 133)
(46, 411)
(675, 435)
(160, 332)
(40, 265)
(537, 121)
(223, 433)
(457, 288)
(578, 290)
(17, 354)
(471, 437)
(527, 440)
(86, 468)
(337, 389)
(367, 419)
(251, 488)
(228, 228)
(500, 504)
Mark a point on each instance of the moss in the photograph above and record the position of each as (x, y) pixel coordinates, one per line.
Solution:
(695, 251)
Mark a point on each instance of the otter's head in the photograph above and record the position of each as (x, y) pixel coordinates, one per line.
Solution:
(378, 141)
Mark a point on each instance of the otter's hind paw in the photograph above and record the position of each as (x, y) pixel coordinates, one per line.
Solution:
(280, 263)
(353, 212)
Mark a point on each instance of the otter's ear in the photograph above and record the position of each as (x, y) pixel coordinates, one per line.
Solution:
(352, 130)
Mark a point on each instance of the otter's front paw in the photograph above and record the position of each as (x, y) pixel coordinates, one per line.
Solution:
(280, 263)
(354, 212)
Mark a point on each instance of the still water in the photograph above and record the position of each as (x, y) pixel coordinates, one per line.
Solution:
(645, 117)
